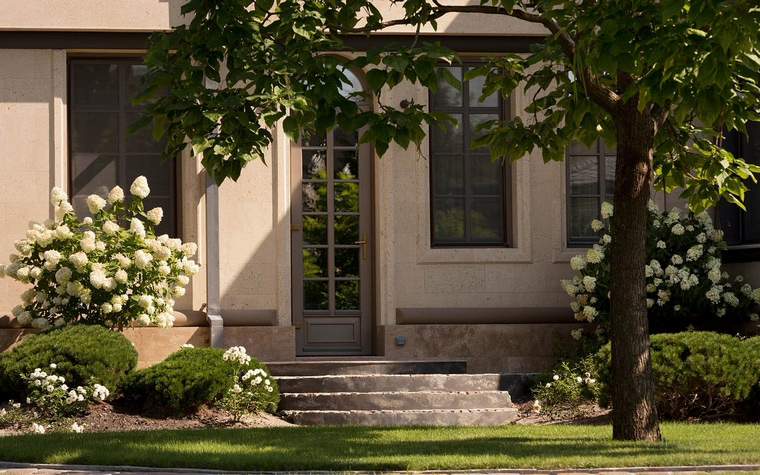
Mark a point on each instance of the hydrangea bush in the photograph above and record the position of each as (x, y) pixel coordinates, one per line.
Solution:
(685, 285)
(98, 271)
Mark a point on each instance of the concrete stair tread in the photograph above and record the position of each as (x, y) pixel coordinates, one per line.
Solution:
(398, 411)
(390, 393)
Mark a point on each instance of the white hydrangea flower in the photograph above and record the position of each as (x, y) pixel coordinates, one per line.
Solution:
(79, 259)
(95, 203)
(40, 323)
(590, 313)
(97, 279)
(568, 287)
(577, 333)
(57, 196)
(140, 187)
(121, 276)
(155, 215)
(63, 275)
(731, 299)
(677, 229)
(142, 259)
(606, 239)
(189, 249)
(713, 295)
(116, 195)
(662, 245)
(606, 210)
(594, 256)
(597, 225)
(136, 227)
(701, 238)
(111, 228)
(143, 320)
(653, 208)
(590, 283)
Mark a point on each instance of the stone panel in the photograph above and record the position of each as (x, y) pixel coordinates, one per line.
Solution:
(154, 344)
(263, 343)
(486, 348)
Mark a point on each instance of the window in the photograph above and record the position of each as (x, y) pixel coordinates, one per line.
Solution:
(590, 181)
(743, 227)
(101, 154)
(468, 191)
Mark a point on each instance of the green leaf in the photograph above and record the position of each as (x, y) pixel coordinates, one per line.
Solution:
(450, 79)
(139, 124)
(376, 79)
(291, 128)
(398, 63)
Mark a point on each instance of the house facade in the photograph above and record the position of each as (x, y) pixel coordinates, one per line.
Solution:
(326, 250)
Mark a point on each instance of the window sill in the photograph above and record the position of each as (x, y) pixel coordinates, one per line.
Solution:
(742, 253)
(472, 255)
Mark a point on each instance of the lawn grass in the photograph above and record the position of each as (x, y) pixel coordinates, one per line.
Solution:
(368, 448)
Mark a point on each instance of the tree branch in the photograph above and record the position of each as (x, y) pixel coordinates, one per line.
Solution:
(598, 92)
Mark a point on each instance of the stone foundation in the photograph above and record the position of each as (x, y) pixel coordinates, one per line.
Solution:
(154, 344)
(509, 348)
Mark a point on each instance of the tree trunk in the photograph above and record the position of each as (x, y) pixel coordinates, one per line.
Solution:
(634, 416)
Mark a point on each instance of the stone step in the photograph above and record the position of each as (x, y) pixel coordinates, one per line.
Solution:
(317, 367)
(400, 401)
(460, 417)
(514, 383)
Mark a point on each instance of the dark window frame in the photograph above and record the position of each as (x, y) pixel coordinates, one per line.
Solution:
(504, 112)
(742, 246)
(171, 213)
(602, 152)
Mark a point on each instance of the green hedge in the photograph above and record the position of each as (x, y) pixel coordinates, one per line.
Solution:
(186, 380)
(698, 375)
(81, 352)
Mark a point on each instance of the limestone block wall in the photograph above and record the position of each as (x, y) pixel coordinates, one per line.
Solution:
(247, 237)
(32, 91)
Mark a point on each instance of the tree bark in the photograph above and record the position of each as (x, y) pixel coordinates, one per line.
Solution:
(634, 415)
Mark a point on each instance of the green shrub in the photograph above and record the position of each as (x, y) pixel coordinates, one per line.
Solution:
(698, 375)
(186, 380)
(192, 377)
(81, 353)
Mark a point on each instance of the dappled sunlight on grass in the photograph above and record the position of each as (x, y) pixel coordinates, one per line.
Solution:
(368, 448)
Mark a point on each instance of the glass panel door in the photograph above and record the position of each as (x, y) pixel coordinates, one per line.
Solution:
(331, 239)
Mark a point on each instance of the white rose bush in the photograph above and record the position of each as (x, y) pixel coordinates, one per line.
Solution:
(49, 393)
(110, 270)
(252, 390)
(685, 285)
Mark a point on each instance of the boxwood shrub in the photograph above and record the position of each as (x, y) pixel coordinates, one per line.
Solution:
(186, 380)
(82, 353)
(698, 375)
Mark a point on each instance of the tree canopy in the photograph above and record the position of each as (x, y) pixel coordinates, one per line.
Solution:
(662, 79)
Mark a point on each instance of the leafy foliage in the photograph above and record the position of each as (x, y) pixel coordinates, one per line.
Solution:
(698, 375)
(685, 64)
(192, 377)
(567, 387)
(186, 380)
(81, 353)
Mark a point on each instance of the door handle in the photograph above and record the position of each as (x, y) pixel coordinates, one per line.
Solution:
(363, 242)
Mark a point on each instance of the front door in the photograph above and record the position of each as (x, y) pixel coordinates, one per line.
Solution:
(332, 245)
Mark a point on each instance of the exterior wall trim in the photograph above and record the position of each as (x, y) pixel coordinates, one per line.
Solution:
(97, 40)
(472, 316)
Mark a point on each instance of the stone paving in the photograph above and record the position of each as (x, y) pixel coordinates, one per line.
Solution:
(8, 468)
